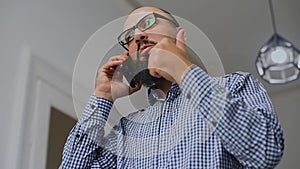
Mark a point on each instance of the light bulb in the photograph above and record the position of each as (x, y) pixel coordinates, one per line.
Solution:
(278, 61)
(279, 55)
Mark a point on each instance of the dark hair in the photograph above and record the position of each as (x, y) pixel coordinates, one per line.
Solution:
(163, 10)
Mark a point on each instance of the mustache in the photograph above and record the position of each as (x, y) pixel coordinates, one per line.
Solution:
(147, 41)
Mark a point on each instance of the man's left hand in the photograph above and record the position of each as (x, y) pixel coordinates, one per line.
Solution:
(168, 59)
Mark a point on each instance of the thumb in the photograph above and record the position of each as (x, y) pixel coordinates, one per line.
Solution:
(180, 39)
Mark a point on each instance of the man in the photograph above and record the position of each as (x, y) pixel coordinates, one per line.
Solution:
(204, 122)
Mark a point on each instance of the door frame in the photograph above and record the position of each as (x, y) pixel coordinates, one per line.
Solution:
(40, 86)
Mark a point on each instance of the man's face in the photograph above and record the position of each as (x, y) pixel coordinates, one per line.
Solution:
(161, 29)
(143, 41)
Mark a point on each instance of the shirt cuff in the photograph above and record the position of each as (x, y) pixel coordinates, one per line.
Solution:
(195, 85)
(205, 94)
(97, 109)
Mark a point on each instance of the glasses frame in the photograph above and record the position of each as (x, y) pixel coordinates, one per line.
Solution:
(136, 26)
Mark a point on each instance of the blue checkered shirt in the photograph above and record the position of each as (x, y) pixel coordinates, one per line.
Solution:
(227, 122)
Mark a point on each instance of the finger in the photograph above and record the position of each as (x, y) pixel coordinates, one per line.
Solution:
(113, 62)
(119, 57)
(126, 54)
(110, 65)
(180, 39)
(113, 58)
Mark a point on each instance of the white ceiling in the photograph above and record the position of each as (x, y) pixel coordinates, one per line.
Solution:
(238, 28)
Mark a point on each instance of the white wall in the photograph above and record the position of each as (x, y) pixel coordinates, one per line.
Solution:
(55, 30)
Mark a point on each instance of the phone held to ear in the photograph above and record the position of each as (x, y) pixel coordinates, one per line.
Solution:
(133, 69)
(128, 68)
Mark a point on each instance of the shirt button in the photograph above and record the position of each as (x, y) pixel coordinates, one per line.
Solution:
(214, 123)
(188, 96)
(92, 106)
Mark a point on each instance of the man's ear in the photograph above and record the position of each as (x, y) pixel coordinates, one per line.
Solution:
(178, 28)
(180, 39)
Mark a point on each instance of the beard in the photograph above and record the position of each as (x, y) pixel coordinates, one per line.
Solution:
(146, 79)
(139, 72)
(143, 76)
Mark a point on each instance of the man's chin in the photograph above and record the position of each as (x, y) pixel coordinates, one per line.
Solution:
(146, 79)
(151, 83)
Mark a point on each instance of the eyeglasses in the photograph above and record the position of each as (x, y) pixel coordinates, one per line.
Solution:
(145, 23)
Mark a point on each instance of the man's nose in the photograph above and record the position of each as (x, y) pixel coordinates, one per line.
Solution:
(139, 36)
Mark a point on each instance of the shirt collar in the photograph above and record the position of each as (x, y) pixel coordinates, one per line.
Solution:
(173, 92)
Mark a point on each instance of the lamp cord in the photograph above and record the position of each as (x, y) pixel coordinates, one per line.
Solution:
(272, 16)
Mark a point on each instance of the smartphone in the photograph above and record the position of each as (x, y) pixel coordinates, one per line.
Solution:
(129, 70)
(133, 70)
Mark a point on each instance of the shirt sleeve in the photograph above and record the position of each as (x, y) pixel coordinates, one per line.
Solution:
(242, 115)
(86, 146)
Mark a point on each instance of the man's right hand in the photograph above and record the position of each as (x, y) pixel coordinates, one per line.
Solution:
(109, 83)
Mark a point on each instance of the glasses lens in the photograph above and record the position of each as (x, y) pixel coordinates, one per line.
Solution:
(146, 22)
(126, 37)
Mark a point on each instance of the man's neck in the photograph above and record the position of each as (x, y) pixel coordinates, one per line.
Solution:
(165, 86)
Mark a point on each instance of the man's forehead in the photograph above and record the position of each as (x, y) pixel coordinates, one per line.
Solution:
(132, 19)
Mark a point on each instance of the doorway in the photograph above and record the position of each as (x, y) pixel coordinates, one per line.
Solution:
(59, 128)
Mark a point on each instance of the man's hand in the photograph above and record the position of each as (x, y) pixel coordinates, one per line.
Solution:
(109, 83)
(168, 59)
